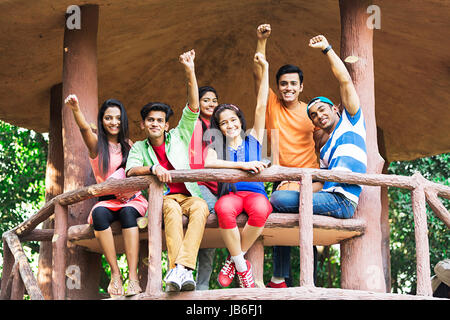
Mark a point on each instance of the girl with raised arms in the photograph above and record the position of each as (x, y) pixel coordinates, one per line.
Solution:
(230, 149)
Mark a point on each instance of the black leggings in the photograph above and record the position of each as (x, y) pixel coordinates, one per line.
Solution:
(103, 217)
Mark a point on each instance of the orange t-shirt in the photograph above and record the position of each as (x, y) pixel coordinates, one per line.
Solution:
(295, 132)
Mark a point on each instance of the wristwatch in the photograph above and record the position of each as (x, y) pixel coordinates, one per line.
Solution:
(324, 51)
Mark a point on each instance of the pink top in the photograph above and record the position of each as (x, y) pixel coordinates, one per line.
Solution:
(198, 151)
(115, 159)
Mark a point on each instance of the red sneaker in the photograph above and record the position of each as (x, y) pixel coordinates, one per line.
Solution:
(226, 274)
(276, 285)
(246, 277)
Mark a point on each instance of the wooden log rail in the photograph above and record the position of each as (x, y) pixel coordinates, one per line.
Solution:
(15, 261)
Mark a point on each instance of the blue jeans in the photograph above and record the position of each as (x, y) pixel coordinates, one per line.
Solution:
(206, 255)
(324, 203)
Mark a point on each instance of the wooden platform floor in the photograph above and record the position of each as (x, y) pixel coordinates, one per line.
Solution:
(293, 293)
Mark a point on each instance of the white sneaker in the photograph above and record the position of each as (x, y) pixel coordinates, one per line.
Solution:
(173, 280)
(188, 283)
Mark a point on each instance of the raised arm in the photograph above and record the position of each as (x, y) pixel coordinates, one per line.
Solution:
(261, 101)
(262, 34)
(187, 60)
(89, 137)
(349, 97)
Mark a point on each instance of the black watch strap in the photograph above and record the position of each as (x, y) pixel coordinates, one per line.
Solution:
(326, 49)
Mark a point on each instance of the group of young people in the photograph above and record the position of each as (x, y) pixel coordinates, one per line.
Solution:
(213, 135)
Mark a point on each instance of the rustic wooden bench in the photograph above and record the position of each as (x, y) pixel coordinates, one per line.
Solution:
(280, 229)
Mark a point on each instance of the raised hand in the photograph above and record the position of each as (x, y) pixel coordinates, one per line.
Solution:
(72, 102)
(319, 42)
(263, 31)
(259, 59)
(187, 59)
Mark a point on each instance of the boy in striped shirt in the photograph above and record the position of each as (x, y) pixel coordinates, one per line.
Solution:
(345, 149)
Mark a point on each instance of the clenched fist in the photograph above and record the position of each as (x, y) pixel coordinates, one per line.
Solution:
(319, 42)
(187, 59)
(263, 31)
(72, 102)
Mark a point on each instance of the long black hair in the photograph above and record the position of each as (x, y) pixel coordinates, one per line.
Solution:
(219, 140)
(103, 145)
(201, 92)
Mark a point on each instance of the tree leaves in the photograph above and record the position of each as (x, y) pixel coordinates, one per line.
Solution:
(23, 156)
(403, 246)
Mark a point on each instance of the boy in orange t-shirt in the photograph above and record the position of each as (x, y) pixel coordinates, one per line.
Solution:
(298, 141)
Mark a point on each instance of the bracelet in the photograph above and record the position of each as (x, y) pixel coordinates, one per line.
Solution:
(324, 51)
(151, 168)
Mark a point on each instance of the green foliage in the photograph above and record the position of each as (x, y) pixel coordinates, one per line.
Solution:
(403, 246)
(23, 156)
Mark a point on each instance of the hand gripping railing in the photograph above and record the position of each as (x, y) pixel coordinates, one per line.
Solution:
(422, 191)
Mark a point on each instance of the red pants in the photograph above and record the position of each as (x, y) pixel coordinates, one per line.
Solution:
(256, 205)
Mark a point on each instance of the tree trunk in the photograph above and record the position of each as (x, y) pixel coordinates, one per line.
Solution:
(362, 263)
(80, 78)
(54, 185)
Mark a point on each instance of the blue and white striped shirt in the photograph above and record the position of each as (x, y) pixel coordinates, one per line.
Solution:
(345, 150)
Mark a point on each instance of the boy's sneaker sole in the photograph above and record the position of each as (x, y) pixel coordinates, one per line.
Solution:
(188, 285)
(172, 287)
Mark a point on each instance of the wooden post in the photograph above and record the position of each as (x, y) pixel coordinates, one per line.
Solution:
(7, 284)
(305, 221)
(256, 257)
(21, 259)
(80, 78)
(8, 266)
(54, 185)
(154, 212)
(59, 244)
(143, 264)
(361, 257)
(385, 233)
(54, 175)
(421, 237)
(17, 287)
(438, 208)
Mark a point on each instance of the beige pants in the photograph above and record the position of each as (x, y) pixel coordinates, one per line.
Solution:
(183, 249)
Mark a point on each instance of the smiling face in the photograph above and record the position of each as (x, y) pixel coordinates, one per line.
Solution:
(155, 125)
(229, 124)
(289, 87)
(324, 116)
(111, 121)
(208, 102)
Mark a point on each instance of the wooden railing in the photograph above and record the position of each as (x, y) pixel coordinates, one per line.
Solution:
(422, 191)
